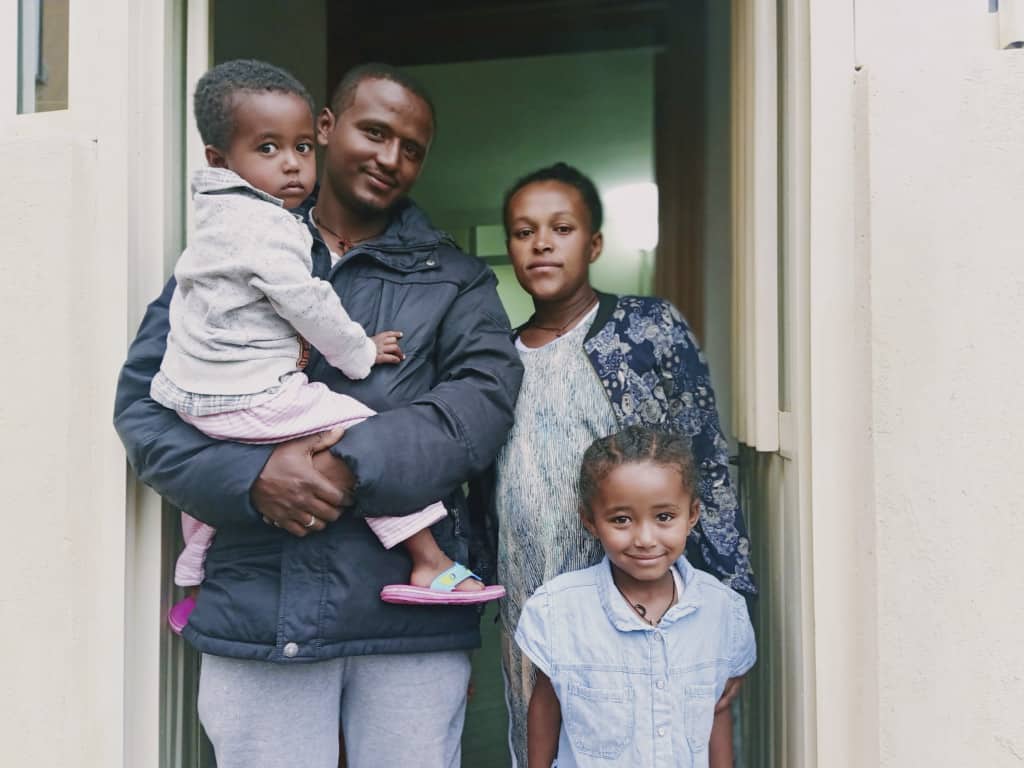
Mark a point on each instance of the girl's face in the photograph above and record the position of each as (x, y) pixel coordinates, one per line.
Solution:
(550, 243)
(642, 514)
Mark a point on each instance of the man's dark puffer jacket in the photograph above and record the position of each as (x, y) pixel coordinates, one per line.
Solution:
(445, 411)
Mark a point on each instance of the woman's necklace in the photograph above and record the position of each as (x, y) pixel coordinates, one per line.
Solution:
(641, 610)
(343, 243)
(562, 328)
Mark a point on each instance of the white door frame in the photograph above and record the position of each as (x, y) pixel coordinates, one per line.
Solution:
(822, 600)
(839, 386)
(157, 719)
(770, 373)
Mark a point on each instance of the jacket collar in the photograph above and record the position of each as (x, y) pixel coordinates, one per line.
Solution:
(624, 618)
(606, 303)
(408, 238)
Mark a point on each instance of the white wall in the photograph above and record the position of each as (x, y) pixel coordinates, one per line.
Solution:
(83, 201)
(942, 158)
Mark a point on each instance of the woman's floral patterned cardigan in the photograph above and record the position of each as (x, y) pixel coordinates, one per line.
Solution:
(655, 375)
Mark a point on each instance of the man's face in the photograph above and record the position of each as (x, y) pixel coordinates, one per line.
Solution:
(375, 148)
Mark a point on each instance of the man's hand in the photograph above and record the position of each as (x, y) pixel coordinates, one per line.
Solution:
(388, 350)
(730, 692)
(293, 494)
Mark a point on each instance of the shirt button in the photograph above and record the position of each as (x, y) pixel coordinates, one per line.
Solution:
(660, 684)
(661, 731)
(290, 649)
(431, 262)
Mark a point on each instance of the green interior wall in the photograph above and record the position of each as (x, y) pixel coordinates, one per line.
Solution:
(498, 120)
(290, 35)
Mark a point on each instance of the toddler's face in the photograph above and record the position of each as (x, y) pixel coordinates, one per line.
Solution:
(272, 146)
(550, 243)
(642, 514)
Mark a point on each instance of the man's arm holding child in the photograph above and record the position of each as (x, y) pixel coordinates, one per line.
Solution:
(543, 724)
(448, 434)
(209, 479)
(454, 430)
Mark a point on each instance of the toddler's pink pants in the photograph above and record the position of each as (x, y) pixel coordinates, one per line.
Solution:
(301, 408)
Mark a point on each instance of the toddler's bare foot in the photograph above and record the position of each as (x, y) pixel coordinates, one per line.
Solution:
(424, 573)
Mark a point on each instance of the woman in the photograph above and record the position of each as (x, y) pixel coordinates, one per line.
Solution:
(594, 363)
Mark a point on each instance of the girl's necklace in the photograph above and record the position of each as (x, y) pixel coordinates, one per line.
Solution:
(343, 243)
(562, 328)
(641, 610)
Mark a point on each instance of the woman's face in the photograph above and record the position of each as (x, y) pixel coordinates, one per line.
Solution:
(550, 243)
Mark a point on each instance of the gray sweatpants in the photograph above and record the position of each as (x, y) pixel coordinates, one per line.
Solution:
(397, 711)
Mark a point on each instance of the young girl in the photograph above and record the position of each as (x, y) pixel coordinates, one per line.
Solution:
(633, 653)
(246, 304)
(594, 363)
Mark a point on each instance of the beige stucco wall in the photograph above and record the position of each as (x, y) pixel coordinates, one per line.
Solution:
(916, 287)
(942, 161)
(84, 225)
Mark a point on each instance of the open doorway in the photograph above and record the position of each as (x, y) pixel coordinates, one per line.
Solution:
(500, 119)
(636, 94)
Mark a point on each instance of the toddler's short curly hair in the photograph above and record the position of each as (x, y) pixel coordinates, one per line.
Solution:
(213, 103)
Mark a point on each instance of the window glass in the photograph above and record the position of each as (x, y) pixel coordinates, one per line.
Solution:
(42, 55)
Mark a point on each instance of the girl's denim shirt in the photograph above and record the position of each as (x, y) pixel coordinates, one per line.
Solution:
(632, 694)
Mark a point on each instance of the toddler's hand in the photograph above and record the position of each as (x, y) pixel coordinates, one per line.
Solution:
(388, 350)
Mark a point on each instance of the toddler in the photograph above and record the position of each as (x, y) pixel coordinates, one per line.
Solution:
(633, 653)
(246, 307)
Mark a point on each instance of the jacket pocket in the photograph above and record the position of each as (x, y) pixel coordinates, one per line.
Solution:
(600, 721)
(699, 703)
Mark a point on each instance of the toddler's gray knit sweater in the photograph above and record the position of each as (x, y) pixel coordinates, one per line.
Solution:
(245, 291)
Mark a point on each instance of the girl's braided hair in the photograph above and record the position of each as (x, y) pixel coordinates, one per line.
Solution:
(630, 446)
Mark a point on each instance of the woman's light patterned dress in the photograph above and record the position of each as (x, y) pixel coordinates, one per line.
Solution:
(562, 409)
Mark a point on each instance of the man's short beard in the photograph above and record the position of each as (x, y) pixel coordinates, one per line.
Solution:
(361, 207)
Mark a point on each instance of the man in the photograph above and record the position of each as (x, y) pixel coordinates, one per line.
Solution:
(289, 620)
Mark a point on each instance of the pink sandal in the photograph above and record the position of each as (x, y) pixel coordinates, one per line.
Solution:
(442, 590)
